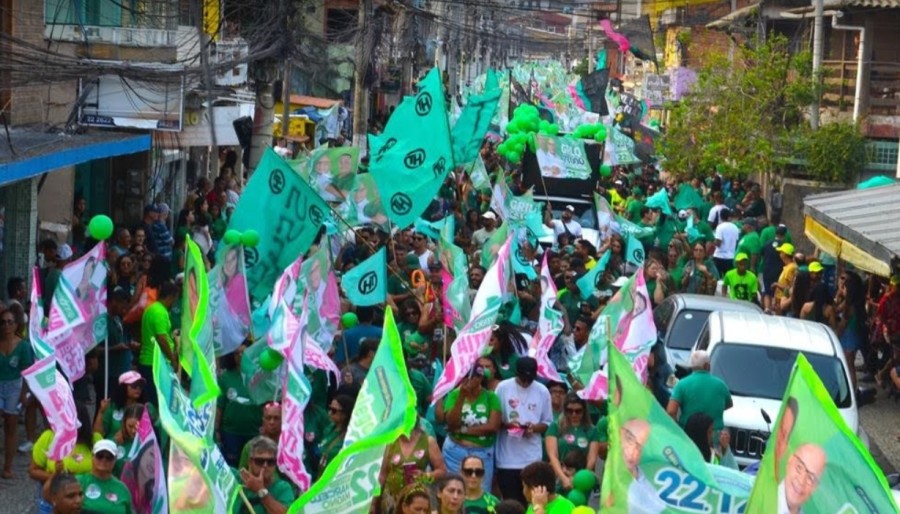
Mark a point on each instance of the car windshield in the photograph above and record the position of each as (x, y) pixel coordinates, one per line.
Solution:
(763, 372)
(685, 329)
(584, 214)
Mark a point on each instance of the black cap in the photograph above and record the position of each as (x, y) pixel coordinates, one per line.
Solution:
(780, 230)
(526, 368)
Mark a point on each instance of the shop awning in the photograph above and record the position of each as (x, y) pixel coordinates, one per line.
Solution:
(28, 153)
(860, 226)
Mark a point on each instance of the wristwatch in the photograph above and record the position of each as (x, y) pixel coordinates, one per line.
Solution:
(262, 493)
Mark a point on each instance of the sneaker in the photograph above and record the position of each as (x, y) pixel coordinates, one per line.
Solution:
(26, 447)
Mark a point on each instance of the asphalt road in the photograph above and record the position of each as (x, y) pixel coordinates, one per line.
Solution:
(881, 420)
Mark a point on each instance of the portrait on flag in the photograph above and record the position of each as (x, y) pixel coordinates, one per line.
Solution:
(332, 172)
(814, 463)
(229, 300)
(562, 157)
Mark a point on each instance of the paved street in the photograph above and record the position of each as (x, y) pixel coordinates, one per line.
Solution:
(17, 495)
(881, 421)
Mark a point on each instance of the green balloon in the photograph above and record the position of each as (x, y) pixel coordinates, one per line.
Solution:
(232, 237)
(601, 129)
(100, 227)
(270, 359)
(349, 320)
(600, 137)
(605, 170)
(577, 497)
(584, 481)
(553, 129)
(514, 157)
(250, 238)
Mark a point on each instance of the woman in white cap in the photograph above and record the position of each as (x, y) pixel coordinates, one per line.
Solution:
(131, 391)
(104, 493)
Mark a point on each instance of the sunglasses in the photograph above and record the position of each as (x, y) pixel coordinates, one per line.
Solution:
(473, 472)
(574, 411)
(332, 410)
(263, 462)
(7, 322)
(105, 456)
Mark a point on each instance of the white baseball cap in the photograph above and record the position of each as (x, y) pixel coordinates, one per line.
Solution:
(489, 215)
(570, 208)
(65, 252)
(105, 445)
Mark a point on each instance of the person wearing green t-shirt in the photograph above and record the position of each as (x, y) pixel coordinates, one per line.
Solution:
(132, 390)
(103, 492)
(471, 413)
(750, 243)
(237, 417)
(740, 283)
(538, 485)
(477, 500)
(634, 205)
(571, 431)
(156, 329)
(264, 490)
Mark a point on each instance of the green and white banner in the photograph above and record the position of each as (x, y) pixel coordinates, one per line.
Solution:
(385, 409)
(562, 157)
(652, 466)
(814, 463)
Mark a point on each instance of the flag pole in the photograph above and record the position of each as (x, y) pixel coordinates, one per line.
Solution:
(106, 368)
(246, 501)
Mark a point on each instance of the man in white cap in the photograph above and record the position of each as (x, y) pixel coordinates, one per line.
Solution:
(566, 225)
(700, 392)
(488, 227)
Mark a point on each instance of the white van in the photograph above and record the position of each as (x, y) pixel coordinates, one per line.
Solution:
(754, 354)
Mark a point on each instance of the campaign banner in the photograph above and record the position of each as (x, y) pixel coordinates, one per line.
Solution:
(562, 157)
(286, 213)
(472, 340)
(332, 172)
(475, 120)
(652, 465)
(55, 394)
(409, 164)
(364, 205)
(550, 325)
(297, 391)
(229, 300)
(196, 351)
(199, 478)
(385, 409)
(631, 330)
(814, 463)
(317, 278)
(454, 272)
(143, 472)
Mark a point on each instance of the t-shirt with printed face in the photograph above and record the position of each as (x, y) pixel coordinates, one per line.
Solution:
(741, 287)
(521, 405)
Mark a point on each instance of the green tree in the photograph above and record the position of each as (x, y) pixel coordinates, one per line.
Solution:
(834, 153)
(742, 114)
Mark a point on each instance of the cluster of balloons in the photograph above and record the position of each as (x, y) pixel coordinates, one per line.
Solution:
(525, 122)
(100, 227)
(583, 483)
(597, 132)
(249, 238)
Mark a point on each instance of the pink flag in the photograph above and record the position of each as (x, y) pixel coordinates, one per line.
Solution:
(296, 395)
(143, 472)
(281, 312)
(451, 315)
(474, 337)
(611, 33)
(79, 301)
(550, 325)
(55, 394)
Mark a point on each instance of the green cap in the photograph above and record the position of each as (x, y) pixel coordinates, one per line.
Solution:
(412, 261)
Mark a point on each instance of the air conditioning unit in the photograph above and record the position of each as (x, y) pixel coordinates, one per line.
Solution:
(231, 52)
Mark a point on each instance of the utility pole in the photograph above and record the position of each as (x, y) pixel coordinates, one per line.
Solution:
(286, 100)
(818, 37)
(360, 95)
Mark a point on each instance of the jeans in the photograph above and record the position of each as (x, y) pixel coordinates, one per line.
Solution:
(454, 453)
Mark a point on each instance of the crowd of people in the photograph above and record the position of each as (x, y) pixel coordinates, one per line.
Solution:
(503, 440)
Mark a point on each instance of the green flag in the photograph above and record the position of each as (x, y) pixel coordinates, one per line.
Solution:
(687, 197)
(458, 306)
(479, 175)
(816, 463)
(197, 353)
(660, 200)
(633, 234)
(366, 283)
(652, 466)
(413, 157)
(385, 409)
(199, 466)
(591, 280)
(472, 125)
(492, 246)
(286, 213)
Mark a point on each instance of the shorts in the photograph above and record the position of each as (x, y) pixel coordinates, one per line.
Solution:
(10, 394)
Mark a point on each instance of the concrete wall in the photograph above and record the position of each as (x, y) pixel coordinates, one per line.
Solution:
(55, 204)
(794, 191)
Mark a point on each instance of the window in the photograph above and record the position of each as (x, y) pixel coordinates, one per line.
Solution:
(341, 25)
(882, 155)
(684, 331)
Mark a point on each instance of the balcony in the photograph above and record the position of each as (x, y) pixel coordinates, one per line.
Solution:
(119, 36)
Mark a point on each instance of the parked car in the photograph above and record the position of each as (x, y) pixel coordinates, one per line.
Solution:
(754, 354)
(680, 318)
